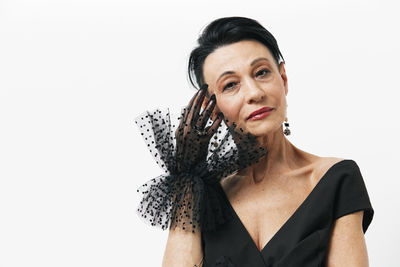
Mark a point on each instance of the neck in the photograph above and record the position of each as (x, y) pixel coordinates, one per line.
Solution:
(282, 156)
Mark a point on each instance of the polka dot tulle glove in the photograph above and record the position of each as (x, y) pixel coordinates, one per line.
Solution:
(186, 195)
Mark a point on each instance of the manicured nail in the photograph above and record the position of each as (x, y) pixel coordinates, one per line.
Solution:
(212, 98)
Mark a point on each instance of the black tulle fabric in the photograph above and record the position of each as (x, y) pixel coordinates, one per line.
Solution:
(187, 197)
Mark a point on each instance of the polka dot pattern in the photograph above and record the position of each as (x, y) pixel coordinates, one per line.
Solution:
(186, 194)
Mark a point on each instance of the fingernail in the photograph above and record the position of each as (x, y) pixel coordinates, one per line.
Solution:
(202, 92)
(212, 98)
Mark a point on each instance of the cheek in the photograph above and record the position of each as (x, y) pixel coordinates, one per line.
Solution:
(230, 107)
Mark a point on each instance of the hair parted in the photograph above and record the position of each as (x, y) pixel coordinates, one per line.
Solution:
(224, 31)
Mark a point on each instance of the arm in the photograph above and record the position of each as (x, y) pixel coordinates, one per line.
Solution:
(183, 249)
(347, 245)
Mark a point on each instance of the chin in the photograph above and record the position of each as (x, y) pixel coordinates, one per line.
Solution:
(261, 130)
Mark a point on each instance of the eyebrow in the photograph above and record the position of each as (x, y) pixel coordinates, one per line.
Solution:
(232, 72)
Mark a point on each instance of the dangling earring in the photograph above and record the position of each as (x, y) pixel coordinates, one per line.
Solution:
(287, 130)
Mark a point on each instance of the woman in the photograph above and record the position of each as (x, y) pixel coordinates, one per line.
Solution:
(291, 207)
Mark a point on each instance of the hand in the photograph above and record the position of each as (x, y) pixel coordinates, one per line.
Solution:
(192, 137)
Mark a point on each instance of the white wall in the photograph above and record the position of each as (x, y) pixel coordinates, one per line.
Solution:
(75, 74)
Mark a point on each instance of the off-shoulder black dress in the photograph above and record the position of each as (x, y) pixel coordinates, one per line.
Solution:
(303, 240)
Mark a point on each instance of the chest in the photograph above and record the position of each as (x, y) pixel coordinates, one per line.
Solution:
(263, 211)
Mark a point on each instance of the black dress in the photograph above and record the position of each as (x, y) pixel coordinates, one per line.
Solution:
(303, 239)
(192, 198)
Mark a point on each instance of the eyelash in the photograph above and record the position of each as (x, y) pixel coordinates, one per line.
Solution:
(226, 86)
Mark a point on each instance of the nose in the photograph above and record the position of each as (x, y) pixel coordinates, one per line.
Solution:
(254, 93)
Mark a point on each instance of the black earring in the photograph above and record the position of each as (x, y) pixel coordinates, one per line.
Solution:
(287, 130)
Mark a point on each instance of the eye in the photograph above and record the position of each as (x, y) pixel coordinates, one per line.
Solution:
(226, 86)
(263, 70)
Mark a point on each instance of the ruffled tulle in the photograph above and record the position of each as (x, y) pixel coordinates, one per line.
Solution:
(189, 198)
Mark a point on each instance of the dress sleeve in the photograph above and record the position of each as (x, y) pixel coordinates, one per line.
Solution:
(352, 196)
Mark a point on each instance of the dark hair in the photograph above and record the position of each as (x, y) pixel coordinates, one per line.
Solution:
(224, 31)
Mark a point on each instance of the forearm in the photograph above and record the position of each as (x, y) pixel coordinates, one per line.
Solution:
(183, 249)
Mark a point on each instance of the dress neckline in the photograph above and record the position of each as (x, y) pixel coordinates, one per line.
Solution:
(321, 180)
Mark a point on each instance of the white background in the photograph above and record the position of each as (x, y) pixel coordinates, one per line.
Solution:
(75, 74)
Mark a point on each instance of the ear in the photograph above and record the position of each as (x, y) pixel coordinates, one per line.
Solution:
(282, 72)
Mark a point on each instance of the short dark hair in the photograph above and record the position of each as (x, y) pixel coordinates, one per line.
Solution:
(224, 31)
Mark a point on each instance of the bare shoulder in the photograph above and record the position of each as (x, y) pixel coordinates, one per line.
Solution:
(322, 165)
(312, 173)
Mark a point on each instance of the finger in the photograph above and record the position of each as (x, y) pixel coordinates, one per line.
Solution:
(180, 131)
(205, 115)
(194, 112)
(213, 128)
(188, 108)
(183, 121)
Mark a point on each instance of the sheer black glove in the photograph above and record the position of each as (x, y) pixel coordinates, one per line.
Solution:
(192, 136)
(187, 195)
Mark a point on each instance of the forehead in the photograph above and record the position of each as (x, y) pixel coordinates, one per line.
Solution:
(233, 57)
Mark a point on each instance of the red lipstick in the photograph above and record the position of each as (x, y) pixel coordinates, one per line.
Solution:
(260, 113)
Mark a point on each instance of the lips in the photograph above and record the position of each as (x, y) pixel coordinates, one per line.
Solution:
(258, 111)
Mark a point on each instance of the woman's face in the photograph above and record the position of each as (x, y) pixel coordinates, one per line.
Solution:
(244, 78)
